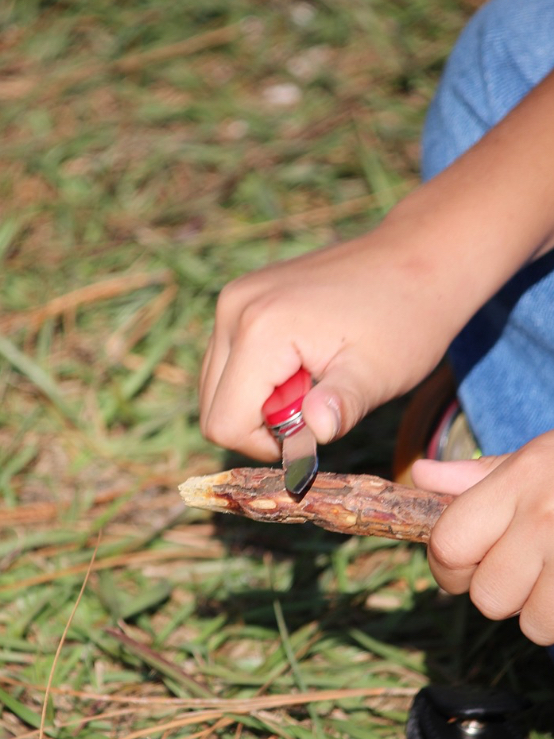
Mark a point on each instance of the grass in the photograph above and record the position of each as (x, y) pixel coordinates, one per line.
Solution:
(150, 152)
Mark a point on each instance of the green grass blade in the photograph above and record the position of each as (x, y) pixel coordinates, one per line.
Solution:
(283, 631)
(164, 666)
(38, 376)
(22, 711)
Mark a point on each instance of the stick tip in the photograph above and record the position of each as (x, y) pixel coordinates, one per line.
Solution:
(198, 492)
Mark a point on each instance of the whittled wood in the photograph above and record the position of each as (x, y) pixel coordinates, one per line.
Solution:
(363, 505)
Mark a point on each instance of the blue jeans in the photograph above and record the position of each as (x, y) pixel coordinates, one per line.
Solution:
(503, 360)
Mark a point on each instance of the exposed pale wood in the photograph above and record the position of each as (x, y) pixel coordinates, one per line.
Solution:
(349, 504)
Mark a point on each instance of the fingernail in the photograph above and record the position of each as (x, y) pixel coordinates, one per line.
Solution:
(334, 418)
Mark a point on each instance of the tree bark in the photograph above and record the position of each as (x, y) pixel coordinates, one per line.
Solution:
(362, 505)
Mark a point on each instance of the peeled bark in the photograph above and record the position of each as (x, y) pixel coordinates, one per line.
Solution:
(363, 505)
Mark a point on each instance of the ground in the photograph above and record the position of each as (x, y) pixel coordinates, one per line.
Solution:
(151, 151)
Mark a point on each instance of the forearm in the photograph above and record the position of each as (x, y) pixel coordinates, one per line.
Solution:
(477, 223)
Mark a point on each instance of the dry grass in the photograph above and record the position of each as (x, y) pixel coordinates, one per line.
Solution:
(151, 151)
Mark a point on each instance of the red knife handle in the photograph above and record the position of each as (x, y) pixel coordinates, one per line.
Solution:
(282, 411)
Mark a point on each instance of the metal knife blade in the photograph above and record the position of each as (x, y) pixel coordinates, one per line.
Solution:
(282, 414)
(300, 461)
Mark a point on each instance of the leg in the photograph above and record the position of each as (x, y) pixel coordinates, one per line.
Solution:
(504, 358)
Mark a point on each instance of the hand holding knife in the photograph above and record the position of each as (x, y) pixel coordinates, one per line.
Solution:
(282, 414)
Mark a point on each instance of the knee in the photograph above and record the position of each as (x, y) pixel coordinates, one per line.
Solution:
(504, 51)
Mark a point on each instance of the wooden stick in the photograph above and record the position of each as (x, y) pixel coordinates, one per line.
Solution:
(363, 505)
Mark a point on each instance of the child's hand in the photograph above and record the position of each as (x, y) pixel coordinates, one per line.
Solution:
(370, 318)
(362, 317)
(497, 539)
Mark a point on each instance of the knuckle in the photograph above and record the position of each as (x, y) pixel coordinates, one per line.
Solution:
(258, 320)
(444, 550)
(234, 298)
(253, 317)
(236, 295)
(535, 453)
(227, 299)
(546, 518)
(215, 431)
(244, 311)
(487, 600)
(534, 629)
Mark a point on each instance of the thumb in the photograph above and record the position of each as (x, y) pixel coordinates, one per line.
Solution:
(336, 404)
(453, 477)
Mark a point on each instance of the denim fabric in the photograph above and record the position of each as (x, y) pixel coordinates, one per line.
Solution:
(504, 358)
